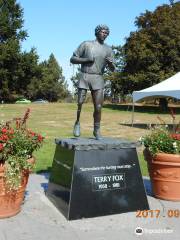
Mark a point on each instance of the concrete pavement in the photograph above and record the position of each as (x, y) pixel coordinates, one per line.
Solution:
(40, 220)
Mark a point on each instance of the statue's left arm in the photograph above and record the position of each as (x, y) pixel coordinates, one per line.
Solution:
(110, 61)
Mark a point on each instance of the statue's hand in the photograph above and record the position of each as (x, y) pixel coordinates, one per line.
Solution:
(109, 60)
(110, 63)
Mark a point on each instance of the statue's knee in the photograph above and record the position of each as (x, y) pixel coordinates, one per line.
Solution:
(98, 108)
(81, 99)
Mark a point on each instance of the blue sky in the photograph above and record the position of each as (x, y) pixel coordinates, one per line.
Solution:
(59, 26)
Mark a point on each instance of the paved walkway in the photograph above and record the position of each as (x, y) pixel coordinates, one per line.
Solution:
(40, 220)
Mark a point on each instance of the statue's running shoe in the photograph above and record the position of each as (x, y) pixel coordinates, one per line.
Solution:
(77, 130)
(96, 131)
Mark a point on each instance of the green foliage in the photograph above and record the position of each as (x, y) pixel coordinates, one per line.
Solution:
(11, 35)
(21, 75)
(114, 82)
(152, 52)
(50, 83)
(11, 21)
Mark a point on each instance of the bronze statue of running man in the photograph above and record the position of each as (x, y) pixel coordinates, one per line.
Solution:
(94, 56)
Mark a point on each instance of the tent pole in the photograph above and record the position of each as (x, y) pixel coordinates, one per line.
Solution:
(132, 117)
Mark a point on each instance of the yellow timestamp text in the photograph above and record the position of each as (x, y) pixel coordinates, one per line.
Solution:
(156, 213)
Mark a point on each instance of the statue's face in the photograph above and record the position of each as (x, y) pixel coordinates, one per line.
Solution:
(102, 35)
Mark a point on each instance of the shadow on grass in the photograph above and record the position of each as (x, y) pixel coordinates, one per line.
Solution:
(145, 125)
(141, 109)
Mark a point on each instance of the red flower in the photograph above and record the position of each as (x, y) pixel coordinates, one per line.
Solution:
(1, 146)
(33, 134)
(175, 136)
(40, 138)
(4, 130)
(4, 137)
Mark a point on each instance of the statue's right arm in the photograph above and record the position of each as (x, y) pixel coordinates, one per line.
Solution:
(78, 56)
(80, 60)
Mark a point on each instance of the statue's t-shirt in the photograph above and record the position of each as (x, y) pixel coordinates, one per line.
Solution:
(91, 73)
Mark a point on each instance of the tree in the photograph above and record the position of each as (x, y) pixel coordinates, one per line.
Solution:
(75, 78)
(51, 85)
(11, 34)
(152, 52)
(115, 83)
(20, 72)
(28, 72)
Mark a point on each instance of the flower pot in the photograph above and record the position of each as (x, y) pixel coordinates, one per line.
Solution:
(11, 201)
(164, 171)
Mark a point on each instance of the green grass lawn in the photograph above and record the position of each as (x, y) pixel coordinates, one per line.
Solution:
(56, 120)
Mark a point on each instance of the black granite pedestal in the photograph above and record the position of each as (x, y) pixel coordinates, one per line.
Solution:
(92, 178)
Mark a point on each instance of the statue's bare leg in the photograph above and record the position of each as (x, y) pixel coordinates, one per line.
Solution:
(97, 96)
(81, 99)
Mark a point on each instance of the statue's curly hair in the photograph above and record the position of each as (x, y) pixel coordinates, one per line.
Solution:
(101, 27)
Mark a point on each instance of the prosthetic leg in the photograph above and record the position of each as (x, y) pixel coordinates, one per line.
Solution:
(81, 99)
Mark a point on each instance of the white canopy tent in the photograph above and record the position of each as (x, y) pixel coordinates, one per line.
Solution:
(167, 88)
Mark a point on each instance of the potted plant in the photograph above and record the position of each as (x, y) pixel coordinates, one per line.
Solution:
(162, 153)
(17, 144)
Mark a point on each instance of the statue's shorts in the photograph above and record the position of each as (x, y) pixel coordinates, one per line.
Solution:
(91, 81)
